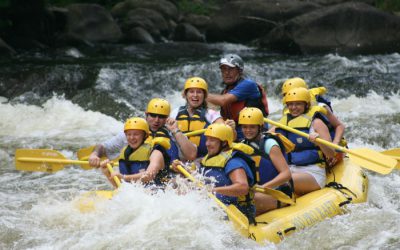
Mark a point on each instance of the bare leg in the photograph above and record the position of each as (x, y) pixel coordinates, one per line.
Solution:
(264, 203)
(304, 183)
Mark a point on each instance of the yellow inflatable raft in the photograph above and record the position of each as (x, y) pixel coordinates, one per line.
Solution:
(346, 183)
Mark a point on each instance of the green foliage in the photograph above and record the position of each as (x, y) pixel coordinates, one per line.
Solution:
(388, 5)
(4, 3)
(187, 6)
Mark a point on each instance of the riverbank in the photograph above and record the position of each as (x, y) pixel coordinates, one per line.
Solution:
(290, 27)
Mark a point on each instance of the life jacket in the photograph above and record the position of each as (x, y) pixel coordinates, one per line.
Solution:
(305, 152)
(195, 122)
(134, 161)
(231, 111)
(215, 167)
(173, 150)
(265, 169)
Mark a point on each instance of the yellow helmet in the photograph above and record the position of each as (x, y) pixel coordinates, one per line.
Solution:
(292, 83)
(158, 106)
(196, 82)
(298, 94)
(220, 131)
(137, 123)
(251, 116)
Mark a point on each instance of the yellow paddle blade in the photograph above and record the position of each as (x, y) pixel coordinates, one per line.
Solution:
(373, 160)
(83, 153)
(41, 155)
(43, 160)
(87, 202)
(395, 154)
(279, 195)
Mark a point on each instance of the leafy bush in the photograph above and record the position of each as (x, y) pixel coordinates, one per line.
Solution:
(388, 5)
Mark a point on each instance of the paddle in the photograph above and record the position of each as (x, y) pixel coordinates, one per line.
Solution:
(239, 220)
(366, 158)
(44, 160)
(84, 153)
(279, 195)
(87, 202)
(393, 153)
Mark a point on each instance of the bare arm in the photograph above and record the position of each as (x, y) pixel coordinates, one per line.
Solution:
(280, 164)
(239, 185)
(221, 100)
(323, 132)
(188, 149)
(338, 125)
(155, 166)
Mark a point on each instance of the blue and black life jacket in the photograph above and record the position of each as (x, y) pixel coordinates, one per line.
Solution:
(134, 161)
(265, 169)
(305, 152)
(215, 167)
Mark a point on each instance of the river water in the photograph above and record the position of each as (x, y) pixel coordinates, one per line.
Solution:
(69, 99)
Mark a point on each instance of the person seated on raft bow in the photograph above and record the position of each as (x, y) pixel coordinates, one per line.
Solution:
(157, 113)
(308, 160)
(336, 127)
(144, 160)
(272, 170)
(195, 115)
(231, 169)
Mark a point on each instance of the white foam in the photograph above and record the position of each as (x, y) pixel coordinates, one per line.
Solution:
(56, 118)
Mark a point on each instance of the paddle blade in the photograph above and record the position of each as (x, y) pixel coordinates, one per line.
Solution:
(38, 166)
(395, 154)
(372, 160)
(87, 202)
(84, 153)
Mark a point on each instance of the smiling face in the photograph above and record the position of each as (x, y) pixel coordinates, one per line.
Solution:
(230, 75)
(296, 108)
(214, 145)
(135, 137)
(155, 121)
(195, 97)
(250, 132)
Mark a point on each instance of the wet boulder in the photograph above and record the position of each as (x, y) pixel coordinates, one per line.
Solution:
(91, 23)
(166, 8)
(351, 27)
(243, 21)
(139, 35)
(187, 32)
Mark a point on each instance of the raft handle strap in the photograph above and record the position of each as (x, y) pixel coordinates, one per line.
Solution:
(340, 187)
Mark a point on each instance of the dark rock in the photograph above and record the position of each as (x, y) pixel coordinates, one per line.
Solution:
(5, 49)
(199, 21)
(187, 32)
(148, 19)
(345, 28)
(243, 21)
(333, 2)
(166, 8)
(139, 35)
(91, 23)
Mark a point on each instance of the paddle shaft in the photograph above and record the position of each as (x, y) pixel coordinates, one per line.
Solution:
(49, 160)
(220, 203)
(116, 179)
(279, 195)
(327, 143)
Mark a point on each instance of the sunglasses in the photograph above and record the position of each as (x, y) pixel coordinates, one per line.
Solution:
(152, 115)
